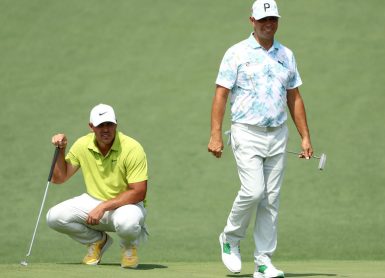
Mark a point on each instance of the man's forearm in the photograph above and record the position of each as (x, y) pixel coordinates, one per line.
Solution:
(131, 196)
(300, 120)
(218, 110)
(298, 113)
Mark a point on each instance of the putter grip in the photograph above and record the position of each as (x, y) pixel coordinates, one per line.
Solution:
(53, 163)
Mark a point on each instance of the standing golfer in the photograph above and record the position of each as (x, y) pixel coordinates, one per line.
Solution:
(114, 168)
(261, 76)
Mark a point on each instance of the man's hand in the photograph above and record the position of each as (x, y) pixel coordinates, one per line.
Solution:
(216, 146)
(59, 140)
(307, 149)
(95, 215)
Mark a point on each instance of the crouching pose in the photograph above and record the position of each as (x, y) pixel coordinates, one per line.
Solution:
(114, 168)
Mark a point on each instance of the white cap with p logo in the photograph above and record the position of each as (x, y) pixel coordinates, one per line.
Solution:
(264, 8)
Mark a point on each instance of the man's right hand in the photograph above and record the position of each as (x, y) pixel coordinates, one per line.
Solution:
(215, 146)
(59, 140)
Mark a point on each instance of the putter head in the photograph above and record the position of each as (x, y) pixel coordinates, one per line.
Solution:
(24, 263)
(322, 162)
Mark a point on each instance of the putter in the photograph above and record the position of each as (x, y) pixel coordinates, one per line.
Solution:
(25, 263)
(322, 159)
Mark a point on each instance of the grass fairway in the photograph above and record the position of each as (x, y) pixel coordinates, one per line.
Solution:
(155, 62)
(310, 269)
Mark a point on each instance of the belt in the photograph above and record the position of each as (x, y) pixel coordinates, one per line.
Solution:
(261, 128)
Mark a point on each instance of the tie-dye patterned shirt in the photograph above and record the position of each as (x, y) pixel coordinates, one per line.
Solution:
(258, 80)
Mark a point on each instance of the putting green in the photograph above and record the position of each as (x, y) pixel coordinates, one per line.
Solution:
(319, 269)
(156, 62)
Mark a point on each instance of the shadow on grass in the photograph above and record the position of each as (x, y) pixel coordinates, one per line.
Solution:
(150, 266)
(140, 266)
(288, 275)
(144, 266)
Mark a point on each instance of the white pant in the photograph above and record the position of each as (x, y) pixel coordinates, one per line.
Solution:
(69, 217)
(261, 158)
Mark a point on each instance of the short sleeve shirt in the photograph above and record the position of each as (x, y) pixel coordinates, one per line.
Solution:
(258, 80)
(108, 176)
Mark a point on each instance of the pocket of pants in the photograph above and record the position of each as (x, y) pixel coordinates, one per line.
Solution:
(234, 139)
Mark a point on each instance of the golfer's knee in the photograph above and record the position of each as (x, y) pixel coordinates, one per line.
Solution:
(252, 196)
(128, 228)
(56, 219)
(51, 219)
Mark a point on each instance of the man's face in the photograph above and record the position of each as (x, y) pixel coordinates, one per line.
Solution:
(104, 133)
(266, 27)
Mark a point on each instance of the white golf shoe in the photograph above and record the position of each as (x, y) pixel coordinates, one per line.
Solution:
(231, 256)
(267, 271)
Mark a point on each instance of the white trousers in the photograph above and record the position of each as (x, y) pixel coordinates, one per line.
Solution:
(69, 217)
(261, 158)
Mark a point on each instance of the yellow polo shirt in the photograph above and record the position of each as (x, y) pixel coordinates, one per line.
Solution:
(108, 176)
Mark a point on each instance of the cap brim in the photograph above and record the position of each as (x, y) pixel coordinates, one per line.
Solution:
(97, 123)
(259, 17)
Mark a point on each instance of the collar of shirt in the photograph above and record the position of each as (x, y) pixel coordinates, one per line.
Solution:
(115, 146)
(254, 44)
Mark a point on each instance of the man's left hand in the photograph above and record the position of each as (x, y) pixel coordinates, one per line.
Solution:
(95, 215)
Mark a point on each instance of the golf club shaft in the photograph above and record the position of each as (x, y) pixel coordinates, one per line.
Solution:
(44, 197)
(317, 157)
(38, 220)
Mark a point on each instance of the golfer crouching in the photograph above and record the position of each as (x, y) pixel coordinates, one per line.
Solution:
(114, 168)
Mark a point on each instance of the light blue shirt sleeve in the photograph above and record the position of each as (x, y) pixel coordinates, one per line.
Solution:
(227, 75)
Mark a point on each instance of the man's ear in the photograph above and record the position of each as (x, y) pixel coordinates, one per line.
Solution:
(251, 19)
(91, 126)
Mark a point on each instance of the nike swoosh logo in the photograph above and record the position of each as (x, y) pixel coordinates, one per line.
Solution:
(101, 114)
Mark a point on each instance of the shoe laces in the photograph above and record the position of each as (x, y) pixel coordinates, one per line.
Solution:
(128, 251)
(92, 246)
(236, 249)
(91, 249)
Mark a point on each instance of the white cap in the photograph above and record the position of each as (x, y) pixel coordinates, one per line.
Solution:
(102, 113)
(264, 8)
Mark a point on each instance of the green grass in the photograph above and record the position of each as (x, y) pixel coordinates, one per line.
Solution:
(156, 63)
(319, 269)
